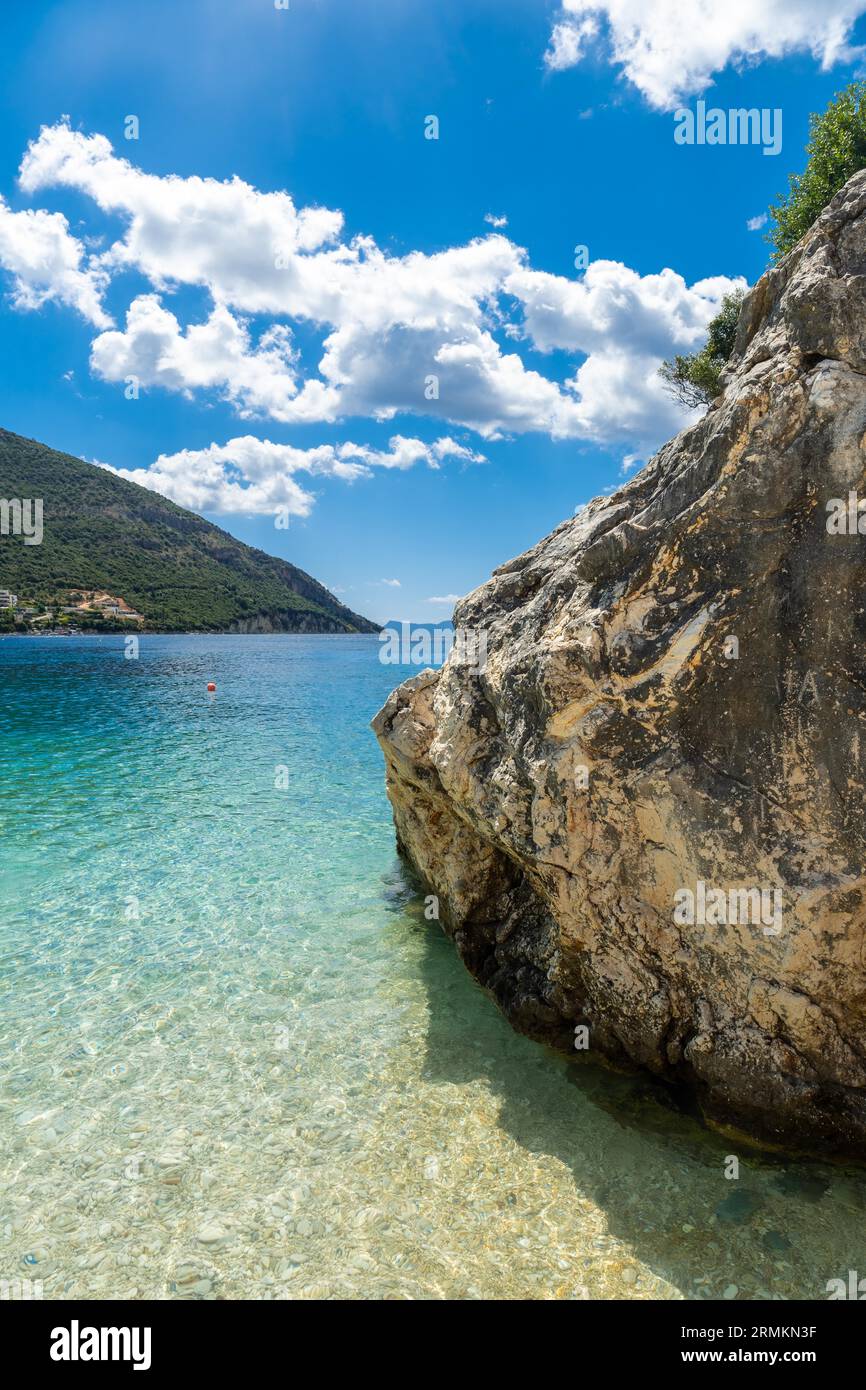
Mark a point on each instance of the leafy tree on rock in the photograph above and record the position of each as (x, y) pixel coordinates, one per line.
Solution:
(836, 150)
(694, 378)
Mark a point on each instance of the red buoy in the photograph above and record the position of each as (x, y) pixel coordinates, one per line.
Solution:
(211, 686)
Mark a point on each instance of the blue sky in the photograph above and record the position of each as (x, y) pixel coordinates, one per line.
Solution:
(396, 264)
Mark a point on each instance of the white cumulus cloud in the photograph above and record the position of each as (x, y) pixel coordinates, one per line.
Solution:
(416, 334)
(216, 355)
(253, 476)
(569, 42)
(669, 49)
(47, 262)
(626, 324)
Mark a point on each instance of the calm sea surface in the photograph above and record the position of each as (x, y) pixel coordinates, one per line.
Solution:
(238, 1063)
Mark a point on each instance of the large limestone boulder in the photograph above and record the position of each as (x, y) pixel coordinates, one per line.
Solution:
(644, 812)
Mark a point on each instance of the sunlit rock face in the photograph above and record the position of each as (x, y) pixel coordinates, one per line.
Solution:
(645, 812)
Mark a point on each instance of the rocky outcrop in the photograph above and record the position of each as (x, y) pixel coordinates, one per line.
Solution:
(644, 813)
(298, 622)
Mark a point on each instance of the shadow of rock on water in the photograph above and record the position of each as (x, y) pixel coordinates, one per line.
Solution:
(780, 1230)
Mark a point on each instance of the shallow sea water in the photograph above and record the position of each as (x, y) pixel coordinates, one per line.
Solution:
(238, 1063)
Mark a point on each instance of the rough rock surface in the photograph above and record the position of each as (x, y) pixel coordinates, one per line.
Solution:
(609, 649)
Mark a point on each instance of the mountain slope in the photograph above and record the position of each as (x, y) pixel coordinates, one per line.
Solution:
(178, 570)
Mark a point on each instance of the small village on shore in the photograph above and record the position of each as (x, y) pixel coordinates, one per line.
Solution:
(75, 610)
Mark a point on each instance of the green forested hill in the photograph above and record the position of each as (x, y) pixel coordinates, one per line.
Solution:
(175, 568)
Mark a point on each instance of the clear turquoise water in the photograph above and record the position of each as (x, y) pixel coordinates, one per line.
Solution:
(238, 1063)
